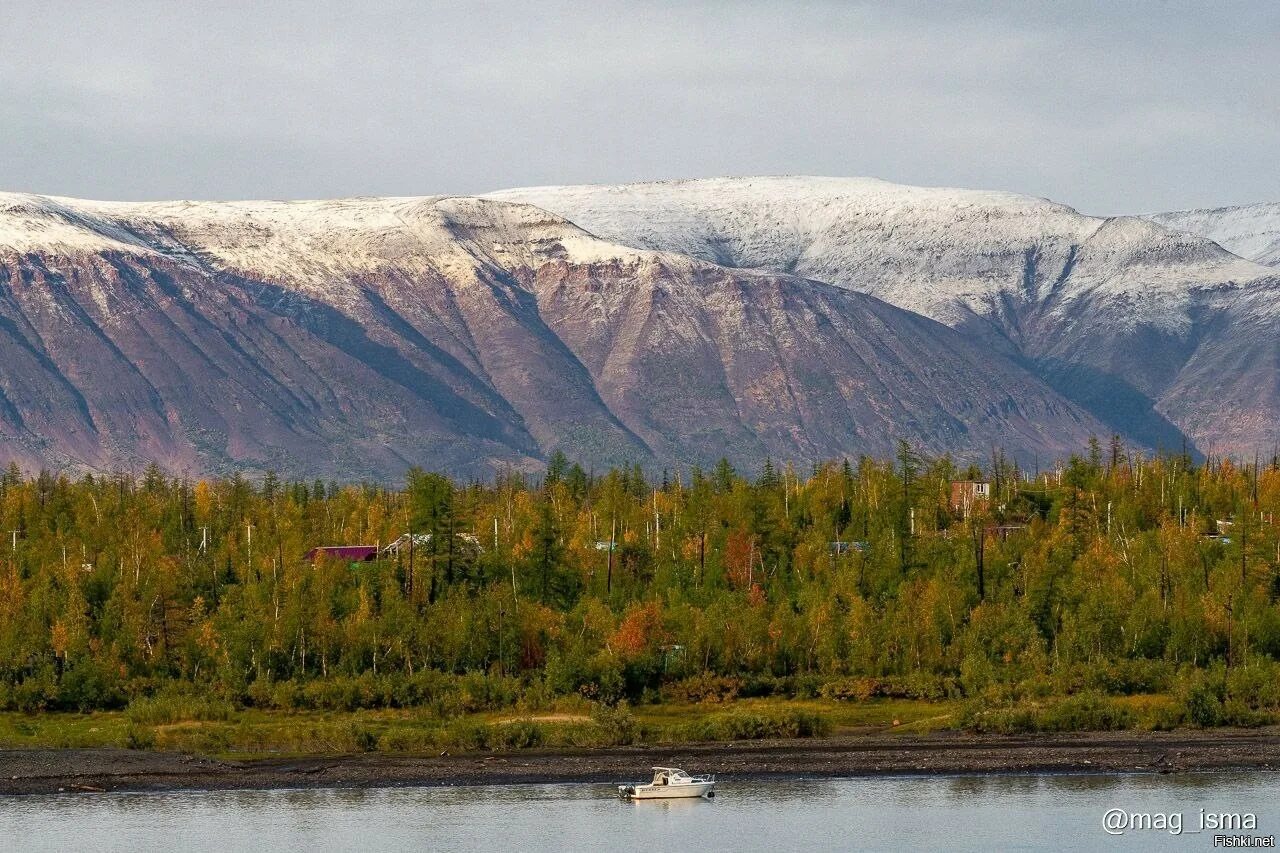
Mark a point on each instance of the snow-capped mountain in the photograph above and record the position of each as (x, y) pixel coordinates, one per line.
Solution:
(1251, 231)
(1154, 330)
(358, 336)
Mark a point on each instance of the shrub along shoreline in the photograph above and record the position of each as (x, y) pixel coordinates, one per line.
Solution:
(354, 721)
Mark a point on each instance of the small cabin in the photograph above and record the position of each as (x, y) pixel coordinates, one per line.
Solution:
(463, 542)
(406, 542)
(344, 553)
(968, 495)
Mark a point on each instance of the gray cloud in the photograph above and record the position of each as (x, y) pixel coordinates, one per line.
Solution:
(1109, 107)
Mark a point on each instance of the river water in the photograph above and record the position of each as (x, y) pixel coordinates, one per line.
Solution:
(986, 813)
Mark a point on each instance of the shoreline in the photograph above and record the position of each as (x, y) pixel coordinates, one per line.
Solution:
(48, 771)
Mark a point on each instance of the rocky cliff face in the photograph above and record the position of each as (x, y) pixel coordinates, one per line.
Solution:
(1157, 332)
(356, 337)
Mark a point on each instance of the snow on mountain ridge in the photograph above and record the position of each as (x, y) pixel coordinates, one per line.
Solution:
(31, 222)
(1251, 231)
(321, 247)
(950, 254)
(752, 222)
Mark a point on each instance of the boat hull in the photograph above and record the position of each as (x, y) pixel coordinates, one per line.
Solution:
(668, 792)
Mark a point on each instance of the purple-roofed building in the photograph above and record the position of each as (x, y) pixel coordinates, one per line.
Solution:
(346, 553)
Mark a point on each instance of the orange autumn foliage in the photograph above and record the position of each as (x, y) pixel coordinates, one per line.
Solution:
(640, 630)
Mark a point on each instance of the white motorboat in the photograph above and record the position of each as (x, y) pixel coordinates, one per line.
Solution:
(670, 783)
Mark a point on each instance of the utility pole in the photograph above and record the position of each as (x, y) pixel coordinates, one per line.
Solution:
(979, 554)
(1255, 480)
(411, 564)
(502, 644)
(278, 566)
(1244, 547)
(613, 532)
(657, 523)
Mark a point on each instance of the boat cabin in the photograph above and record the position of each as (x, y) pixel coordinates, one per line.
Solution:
(670, 776)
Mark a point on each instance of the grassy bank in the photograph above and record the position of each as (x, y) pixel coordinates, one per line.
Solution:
(217, 729)
(212, 728)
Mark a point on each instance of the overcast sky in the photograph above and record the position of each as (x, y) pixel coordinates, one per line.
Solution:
(1108, 106)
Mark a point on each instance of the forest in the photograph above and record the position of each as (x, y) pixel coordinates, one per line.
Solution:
(1110, 590)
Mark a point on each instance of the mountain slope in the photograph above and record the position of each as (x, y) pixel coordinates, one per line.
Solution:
(1251, 231)
(1109, 311)
(355, 337)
